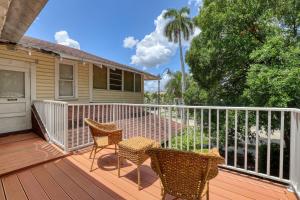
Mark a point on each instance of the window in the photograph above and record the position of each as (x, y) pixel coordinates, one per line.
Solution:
(128, 81)
(115, 79)
(12, 84)
(99, 77)
(66, 81)
(138, 82)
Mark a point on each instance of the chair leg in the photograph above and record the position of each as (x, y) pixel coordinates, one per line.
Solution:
(115, 149)
(139, 177)
(95, 149)
(163, 195)
(119, 166)
(91, 152)
(207, 192)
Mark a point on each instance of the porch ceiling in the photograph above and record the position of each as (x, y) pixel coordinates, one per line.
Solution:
(16, 16)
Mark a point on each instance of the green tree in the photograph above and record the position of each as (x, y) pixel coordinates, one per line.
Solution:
(173, 87)
(231, 30)
(274, 76)
(179, 27)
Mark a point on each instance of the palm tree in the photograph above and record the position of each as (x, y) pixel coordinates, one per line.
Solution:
(179, 27)
(173, 85)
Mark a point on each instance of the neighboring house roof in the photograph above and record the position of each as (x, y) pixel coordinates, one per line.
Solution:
(69, 52)
(16, 16)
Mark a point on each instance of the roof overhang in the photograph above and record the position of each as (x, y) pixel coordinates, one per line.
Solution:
(16, 16)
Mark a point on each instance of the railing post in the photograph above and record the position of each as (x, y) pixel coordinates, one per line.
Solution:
(66, 132)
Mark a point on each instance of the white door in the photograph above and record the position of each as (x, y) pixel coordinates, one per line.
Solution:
(14, 98)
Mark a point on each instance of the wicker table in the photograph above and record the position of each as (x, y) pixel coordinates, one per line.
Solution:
(133, 150)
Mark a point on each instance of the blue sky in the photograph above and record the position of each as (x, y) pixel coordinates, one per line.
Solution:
(126, 31)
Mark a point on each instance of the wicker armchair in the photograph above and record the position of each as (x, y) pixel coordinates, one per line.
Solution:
(104, 134)
(184, 175)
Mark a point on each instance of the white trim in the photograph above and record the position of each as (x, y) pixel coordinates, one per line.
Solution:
(75, 74)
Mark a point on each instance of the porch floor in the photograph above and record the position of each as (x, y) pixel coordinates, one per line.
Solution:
(23, 150)
(70, 178)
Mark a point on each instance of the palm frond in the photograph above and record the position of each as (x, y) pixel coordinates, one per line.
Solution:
(184, 11)
(171, 13)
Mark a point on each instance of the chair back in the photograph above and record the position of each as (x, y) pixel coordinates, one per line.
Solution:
(99, 129)
(184, 174)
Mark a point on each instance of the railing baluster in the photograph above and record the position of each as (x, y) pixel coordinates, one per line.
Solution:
(159, 125)
(269, 143)
(246, 141)
(150, 123)
(155, 127)
(201, 134)
(235, 136)
(170, 127)
(226, 137)
(281, 145)
(218, 127)
(145, 109)
(77, 121)
(181, 131)
(176, 128)
(165, 127)
(194, 129)
(256, 141)
(188, 129)
(98, 114)
(209, 128)
(72, 127)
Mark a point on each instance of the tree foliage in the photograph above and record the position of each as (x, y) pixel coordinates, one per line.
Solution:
(247, 52)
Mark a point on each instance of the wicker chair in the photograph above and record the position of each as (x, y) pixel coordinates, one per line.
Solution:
(184, 175)
(104, 135)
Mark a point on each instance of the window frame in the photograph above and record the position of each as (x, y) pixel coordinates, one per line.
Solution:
(140, 83)
(75, 79)
(93, 75)
(121, 76)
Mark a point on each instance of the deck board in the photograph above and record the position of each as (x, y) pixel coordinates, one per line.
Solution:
(24, 150)
(13, 188)
(70, 178)
(32, 188)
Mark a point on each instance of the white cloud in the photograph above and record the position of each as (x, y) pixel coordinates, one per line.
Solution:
(62, 37)
(154, 49)
(196, 3)
(130, 42)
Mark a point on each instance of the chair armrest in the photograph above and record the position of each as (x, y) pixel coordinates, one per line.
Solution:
(113, 132)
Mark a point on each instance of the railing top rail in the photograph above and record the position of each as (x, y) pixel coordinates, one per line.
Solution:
(197, 107)
(51, 101)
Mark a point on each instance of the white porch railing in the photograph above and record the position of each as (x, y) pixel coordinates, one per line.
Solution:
(259, 141)
(54, 116)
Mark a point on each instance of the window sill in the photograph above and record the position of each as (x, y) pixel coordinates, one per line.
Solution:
(67, 99)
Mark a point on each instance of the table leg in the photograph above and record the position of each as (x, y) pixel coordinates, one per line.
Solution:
(119, 166)
(139, 177)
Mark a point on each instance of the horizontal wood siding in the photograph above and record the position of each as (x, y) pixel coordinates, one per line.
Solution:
(44, 69)
(110, 96)
(83, 82)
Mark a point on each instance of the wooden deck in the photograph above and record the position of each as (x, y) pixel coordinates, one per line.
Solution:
(23, 150)
(69, 178)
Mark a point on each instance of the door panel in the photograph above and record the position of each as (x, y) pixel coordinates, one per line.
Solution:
(14, 98)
